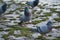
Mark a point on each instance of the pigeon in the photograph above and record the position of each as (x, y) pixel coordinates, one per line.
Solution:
(3, 8)
(26, 17)
(32, 3)
(44, 28)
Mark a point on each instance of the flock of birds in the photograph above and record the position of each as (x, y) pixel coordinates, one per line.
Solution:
(27, 17)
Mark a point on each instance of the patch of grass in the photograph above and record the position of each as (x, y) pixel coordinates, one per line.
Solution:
(13, 19)
(49, 35)
(8, 6)
(17, 35)
(3, 18)
(53, 9)
(59, 14)
(41, 38)
(36, 21)
(57, 19)
(44, 19)
(24, 31)
(11, 32)
(5, 37)
(47, 14)
(56, 27)
(57, 11)
(1, 29)
(40, 12)
(57, 39)
(17, 13)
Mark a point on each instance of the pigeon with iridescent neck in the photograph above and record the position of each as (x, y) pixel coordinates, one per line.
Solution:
(26, 17)
(44, 28)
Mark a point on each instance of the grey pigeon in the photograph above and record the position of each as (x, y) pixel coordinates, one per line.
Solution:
(33, 3)
(44, 28)
(26, 17)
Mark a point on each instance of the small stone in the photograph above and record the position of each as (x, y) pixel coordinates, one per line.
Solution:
(51, 38)
(13, 7)
(2, 26)
(6, 28)
(11, 37)
(5, 32)
(35, 35)
(17, 32)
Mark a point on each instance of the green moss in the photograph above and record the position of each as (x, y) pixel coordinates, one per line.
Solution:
(44, 19)
(36, 21)
(1, 29)
(2, 18)
(47, 14)
(8, 6)
(57, 11)
(57, 19)
(24, 31)
(17, 35)
(1, 1)
(49, 35)
(41, 38)
(11, 32)
(59, 14)
(5, 37)
(56, 27)
(13, 19)
(40, 12)
(57, 39)
(17, 13)
(53, 9)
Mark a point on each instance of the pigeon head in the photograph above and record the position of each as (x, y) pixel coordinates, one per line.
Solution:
(36, 2)
(4, 7)
(26, 11)
(49, 22)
